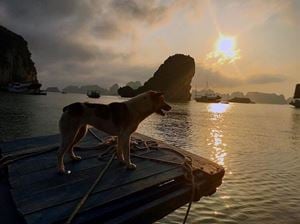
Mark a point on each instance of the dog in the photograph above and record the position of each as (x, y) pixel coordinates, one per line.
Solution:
(119, 119)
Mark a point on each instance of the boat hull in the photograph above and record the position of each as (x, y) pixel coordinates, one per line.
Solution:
(295, 103)
(208, 100)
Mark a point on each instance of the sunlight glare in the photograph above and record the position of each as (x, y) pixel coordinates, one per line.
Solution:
(225, 50)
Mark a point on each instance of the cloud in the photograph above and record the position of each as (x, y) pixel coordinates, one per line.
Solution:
(217, 79)
(214, 78)
(266, 78)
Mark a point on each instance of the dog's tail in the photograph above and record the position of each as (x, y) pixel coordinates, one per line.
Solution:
(74, 108)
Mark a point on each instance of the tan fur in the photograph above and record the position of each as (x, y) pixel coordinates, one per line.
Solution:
(73, 126)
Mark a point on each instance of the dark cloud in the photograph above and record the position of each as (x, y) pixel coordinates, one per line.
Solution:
(148, 11)
(67, 38)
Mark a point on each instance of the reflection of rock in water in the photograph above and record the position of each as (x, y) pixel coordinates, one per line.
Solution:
(175, 128)
(17, 122)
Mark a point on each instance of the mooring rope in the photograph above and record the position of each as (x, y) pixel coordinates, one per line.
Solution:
(87, 194)
(13, 157)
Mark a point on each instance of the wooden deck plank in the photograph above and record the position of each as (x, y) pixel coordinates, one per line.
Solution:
(44, 175)
(40, 141)
(116, 177)
(137, 201)
(44, 162)
(116, 171)
(64, 210)
(19, 144)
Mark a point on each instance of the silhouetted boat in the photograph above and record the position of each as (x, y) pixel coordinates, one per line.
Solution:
(207, 96)
(296, 99)
(93, 94)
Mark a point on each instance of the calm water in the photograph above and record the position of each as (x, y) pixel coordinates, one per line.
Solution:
(259, 146)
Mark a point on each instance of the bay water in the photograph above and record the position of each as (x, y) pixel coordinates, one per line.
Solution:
(258, 145)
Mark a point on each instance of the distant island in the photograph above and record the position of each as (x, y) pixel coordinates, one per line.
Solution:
(53, 89)
(252, 97)
(240, 100)
(85, 88)
(112, 90)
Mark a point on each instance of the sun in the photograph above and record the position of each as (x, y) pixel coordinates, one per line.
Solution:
(225, 50)
(226, 46)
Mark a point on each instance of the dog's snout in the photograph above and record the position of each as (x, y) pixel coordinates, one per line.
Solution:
(166, 107)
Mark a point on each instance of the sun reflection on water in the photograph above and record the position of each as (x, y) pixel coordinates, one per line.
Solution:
(216, 135)
(218, 108)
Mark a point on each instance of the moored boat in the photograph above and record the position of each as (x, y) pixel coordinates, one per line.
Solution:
(93, 94)
(207, 96)
(32, 88)
(296, 99)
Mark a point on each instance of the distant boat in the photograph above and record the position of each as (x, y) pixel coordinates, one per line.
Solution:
(207, 96)
(26, 88)
(296, 99)
(93, 94)
(240, 100)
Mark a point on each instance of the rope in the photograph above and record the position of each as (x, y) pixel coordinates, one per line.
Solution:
(87, 194)
(13, 157)
(187, 165)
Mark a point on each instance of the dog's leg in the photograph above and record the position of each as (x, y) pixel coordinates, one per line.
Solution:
(80, 134)
(120, 155)
(66, 143)
(68, 130)
(125, 147)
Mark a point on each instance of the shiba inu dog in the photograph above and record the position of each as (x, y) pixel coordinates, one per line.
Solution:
(117, 119)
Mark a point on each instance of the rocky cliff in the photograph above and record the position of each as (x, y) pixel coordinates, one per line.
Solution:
(15, 59)
(173, 78)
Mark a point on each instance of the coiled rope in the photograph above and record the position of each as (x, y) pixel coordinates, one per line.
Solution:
(186, 164)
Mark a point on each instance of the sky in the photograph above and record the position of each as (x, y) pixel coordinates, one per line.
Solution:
(79, 42)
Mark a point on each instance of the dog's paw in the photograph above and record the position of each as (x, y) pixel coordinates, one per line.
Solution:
(64, 172)
(131, 166)
(76, 158)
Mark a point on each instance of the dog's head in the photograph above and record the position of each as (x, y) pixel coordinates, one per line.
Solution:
(159, 103)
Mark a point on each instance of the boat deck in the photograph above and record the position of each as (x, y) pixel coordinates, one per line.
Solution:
(39, 195)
